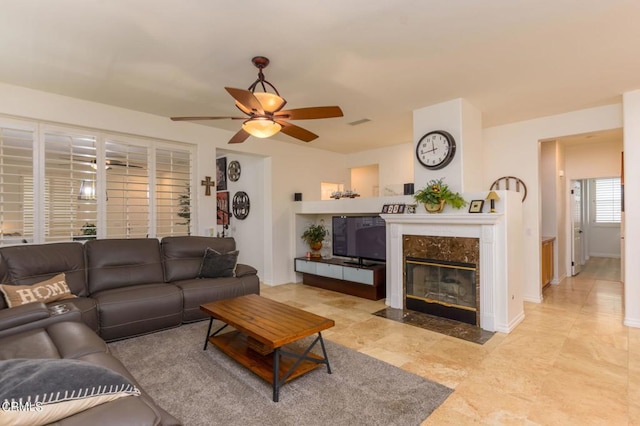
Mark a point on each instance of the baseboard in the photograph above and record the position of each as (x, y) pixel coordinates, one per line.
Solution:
(613, 255)
(508, 328)
(632, 322)
(535, 299)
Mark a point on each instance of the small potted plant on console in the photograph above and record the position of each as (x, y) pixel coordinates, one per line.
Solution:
(313, 236)
(436, 195)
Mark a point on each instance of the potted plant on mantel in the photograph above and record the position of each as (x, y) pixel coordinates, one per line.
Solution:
(313, 236)
(436, 195)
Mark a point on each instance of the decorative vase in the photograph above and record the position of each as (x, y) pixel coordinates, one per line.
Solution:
(315, 249)
(434, 208)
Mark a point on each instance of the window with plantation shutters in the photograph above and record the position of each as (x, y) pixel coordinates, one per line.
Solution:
(70, 207)
(16, 185)
(128, 206)
(608, 200)
(173, 192)
(62, 184)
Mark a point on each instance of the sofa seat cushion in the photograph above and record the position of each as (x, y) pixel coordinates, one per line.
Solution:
(138, 309)
(59, 340)
(204, 290)
(58, 388)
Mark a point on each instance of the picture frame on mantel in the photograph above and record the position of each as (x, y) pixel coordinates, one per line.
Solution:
(475, 206)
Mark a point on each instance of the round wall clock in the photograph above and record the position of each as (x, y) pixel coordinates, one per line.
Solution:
(241, 205)
(436, 149)
(233, 171)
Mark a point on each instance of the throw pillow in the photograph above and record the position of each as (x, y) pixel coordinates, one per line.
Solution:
(217, 265)
(42, 391)
(50, 290)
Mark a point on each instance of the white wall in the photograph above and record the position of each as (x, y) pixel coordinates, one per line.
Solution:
(395, 166)
(366, 180)
(513, 150)
(631, 102)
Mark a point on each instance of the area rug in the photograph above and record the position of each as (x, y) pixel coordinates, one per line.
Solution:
(209, 388)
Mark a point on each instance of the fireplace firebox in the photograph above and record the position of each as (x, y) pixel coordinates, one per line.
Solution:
(442, 288)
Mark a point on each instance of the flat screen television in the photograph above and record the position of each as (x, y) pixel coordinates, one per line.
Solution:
(360, 238)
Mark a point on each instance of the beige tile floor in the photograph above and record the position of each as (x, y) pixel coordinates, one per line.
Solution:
(570, 362)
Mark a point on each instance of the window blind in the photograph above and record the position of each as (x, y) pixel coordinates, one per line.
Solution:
(70, 164)
(16, 186)
(608, 200)
(127, 190)
(173, 192)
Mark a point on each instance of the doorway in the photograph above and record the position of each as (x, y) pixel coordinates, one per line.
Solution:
(577, 211)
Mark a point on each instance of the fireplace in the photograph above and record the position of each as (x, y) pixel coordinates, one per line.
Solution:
(492, 242)
(442, 276)
(442, 288)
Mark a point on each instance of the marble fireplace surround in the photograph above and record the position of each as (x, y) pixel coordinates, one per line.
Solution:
(451, 249)
(498, 312)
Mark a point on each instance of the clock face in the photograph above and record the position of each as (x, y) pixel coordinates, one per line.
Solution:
(436, 149)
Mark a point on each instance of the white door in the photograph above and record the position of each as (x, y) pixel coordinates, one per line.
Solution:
(577, 255)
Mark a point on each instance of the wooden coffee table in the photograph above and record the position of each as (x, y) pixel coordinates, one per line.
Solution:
(262, 328)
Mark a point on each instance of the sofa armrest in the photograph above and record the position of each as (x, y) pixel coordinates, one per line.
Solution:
(244, 270)
(24, 314)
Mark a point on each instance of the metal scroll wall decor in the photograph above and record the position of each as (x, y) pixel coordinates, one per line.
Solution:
(241, 205)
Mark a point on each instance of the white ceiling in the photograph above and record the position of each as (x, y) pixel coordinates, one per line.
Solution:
(377, 59)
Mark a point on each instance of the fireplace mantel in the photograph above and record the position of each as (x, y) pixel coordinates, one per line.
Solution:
(501, 263)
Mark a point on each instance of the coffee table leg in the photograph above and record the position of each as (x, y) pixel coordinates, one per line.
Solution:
(206, 339)
(324, 352)
(276, 375)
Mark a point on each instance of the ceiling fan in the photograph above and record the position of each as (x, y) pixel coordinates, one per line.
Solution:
(264, 114)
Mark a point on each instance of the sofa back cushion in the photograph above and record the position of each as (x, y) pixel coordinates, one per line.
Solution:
(183, 256)
(33, 263)
(115, 263)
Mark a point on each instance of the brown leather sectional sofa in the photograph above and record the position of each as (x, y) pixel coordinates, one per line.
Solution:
(125, 288)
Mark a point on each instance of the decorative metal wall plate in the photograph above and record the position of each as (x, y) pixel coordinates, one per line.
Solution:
(233, 171)
(241, 205)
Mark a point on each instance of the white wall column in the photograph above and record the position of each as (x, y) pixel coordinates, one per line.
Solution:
(631, 123)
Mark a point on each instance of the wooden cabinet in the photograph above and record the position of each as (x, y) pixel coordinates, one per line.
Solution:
(336, 275)
(547, 260)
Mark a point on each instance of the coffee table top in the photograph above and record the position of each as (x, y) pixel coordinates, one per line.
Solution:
(272, 323)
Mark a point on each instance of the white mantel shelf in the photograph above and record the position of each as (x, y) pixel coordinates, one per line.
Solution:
(445, 218)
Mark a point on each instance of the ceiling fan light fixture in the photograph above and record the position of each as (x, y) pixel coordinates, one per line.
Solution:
(261, 127)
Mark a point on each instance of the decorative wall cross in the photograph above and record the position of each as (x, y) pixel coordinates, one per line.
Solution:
(208, 183)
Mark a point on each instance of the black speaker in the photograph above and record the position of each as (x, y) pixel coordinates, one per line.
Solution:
(297, 196)
(408, 189)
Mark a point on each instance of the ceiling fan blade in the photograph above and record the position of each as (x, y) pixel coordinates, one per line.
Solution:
(205, 118)
(246, 99)
(296, 131)
(310, 113)
(239, 137)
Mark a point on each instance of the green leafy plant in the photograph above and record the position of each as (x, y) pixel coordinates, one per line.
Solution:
(437, 191)
(314, 234)
(184, 209)
(89, 229)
